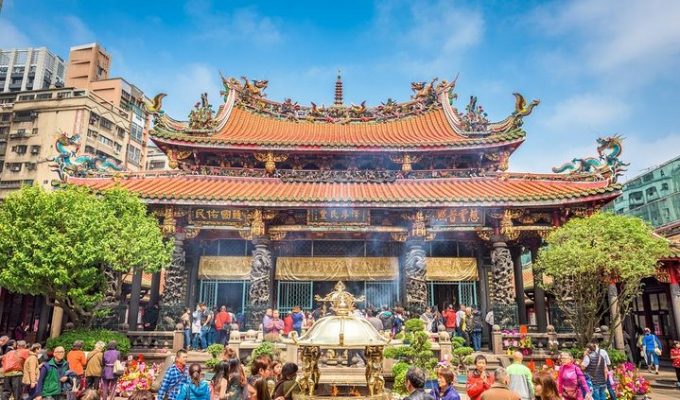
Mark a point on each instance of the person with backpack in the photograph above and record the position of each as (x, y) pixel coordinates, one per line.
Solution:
(387, 318)
(652, 348)
(571, 382)
(13, 368)
(51, 384)
(94, 366)
(32, 371)
(477, 327)
(195, 388)
(596, 368)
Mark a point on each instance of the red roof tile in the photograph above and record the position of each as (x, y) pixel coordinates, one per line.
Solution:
(401, 193)
(428, 130)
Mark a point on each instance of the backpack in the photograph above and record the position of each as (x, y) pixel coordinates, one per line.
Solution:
(12, 362)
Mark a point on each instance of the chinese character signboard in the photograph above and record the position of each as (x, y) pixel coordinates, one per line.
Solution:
(458, 216)
(338, 216)
(218, 216)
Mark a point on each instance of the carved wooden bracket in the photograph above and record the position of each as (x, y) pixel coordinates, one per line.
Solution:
(270, 159)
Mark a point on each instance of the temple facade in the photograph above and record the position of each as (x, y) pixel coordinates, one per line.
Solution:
(412, 203)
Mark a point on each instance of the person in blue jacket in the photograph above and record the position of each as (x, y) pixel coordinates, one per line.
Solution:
(652, 346)
(196, 388)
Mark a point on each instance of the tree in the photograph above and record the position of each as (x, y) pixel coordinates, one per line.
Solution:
(68, 244)
(415, 352)
(586, 255)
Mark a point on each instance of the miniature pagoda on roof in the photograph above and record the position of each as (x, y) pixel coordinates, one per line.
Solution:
(407, 202)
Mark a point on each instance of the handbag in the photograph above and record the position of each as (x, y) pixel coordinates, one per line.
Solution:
(657, 350)
(118, 368)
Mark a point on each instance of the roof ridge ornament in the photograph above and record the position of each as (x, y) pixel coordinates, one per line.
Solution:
(608, 165)
(68, 163)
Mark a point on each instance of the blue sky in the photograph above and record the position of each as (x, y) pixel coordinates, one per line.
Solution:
(598, 67)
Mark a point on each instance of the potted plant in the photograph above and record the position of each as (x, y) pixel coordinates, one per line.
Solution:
(631, 384)
(214, 350)
(526, 346)
(415, 352)
(461, 358)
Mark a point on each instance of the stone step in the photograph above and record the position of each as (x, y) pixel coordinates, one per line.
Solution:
(662, 383)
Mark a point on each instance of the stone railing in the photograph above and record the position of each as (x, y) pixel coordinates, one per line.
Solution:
(156, 340)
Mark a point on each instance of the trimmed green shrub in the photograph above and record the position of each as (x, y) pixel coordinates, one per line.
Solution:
(268, 348)
(89, 338)
(416, 351)
(617, 356)
(215, 350)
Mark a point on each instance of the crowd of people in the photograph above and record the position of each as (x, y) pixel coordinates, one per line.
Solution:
(30, 372)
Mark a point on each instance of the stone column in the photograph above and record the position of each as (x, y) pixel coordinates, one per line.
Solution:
(154, 296)
(135, 294)
(414, 277)
(519, 286)
(617, 325)
(674, 272)
(57, 319)
(175, 291)
(539, 294)
(503, 294)
(193, 257)
(261, 268)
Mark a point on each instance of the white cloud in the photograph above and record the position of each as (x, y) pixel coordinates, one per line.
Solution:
(184, 85)
(624, 41)
(431, 37)
(584, 114)
(11, 36)
(244, 25)
(77, 30)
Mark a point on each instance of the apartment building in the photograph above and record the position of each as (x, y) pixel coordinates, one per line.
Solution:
(156, 160)
(30, 69)
(31, 123)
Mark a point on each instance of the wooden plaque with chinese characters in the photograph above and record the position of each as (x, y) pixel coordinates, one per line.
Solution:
(218, 216)
(458, 217)
(339, 216)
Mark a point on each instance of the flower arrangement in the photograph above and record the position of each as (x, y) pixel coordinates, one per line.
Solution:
(137, 376)
(526, 346)
(630, 382)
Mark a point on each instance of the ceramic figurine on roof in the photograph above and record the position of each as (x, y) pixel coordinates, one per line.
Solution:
(475, 117)
(607, 164)
(68, 163)
(201, 117)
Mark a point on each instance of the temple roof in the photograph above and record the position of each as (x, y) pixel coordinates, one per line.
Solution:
(499, 190)
(429, 121)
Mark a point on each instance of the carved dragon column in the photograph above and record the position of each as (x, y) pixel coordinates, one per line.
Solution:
(414, 277)
(261, 269)
(175, 292)
(503, 293)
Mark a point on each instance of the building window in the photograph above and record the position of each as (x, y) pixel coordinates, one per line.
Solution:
(103, 139)
(30, 166)
(117, 147)
(14, 167)
(21, 57)
(94, 117)
(44, 96)
(35, 150)
(91, 133)
(121, 132)
(26, 97)
(20, 149)
(106, 124)
(24, 116)
(664, 186)
(651, 192)
(136, 132)
(89, 149)
(134, 155)
(648, 177)
(34, 131)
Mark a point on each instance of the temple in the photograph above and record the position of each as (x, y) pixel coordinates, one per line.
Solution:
(271, 203)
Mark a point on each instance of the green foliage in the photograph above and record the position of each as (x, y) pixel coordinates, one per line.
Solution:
(617, 356)
(59, 244)
(268, 348)
(211, 363)
(215, 349)
(586, 254)
(89, 338)
(461, 354)
(577, 353)
(418, 353)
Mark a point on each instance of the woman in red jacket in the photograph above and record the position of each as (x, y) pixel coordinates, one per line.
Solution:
(479, 380)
